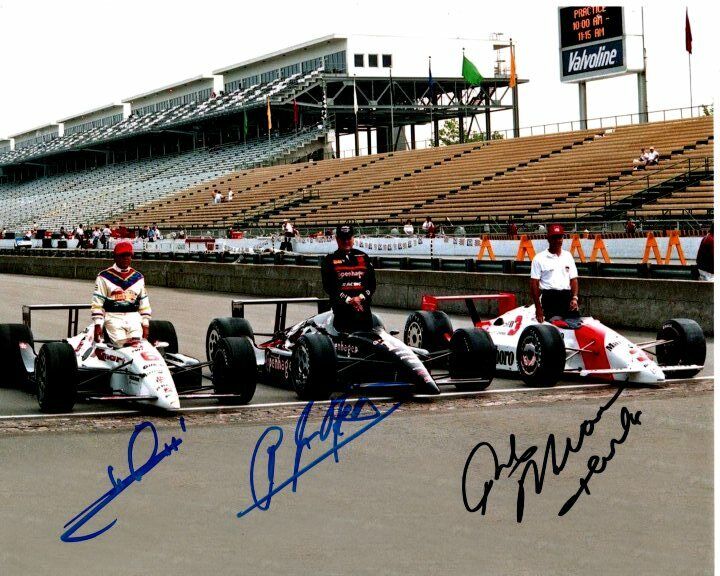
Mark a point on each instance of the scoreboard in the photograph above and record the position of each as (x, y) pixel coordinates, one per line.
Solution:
(585, 24)
(592, 42)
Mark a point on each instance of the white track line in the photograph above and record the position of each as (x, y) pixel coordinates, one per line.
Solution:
(225, 408)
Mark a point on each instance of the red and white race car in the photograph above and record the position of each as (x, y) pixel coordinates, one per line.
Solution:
(541, 353)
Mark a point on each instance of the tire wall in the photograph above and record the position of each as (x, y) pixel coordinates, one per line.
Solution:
(622, 302)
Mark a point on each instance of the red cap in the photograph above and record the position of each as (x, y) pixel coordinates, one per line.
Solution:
(555, 230)
(123, 247)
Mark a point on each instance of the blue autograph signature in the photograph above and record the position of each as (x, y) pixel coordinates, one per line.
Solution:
(118, 485)
(339, 412)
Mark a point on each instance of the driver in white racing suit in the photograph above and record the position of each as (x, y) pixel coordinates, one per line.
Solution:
(120, 301)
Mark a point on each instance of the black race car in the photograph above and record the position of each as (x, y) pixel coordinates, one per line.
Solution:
(315, 360)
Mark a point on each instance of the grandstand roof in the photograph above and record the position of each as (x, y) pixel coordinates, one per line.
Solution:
(33, 131)
(283, 52)
(107, 107)
(188, 82)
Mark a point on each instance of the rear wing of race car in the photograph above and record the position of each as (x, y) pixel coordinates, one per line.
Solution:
(73, 316)
(506, 302)
(238, 309)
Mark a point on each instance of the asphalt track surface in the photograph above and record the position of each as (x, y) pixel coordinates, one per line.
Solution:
(393, 502)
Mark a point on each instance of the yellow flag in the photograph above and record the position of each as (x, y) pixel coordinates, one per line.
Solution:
(269, 116)
(513, 75)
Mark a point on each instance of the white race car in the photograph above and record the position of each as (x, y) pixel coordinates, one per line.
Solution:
(542, 353)
(150, 372)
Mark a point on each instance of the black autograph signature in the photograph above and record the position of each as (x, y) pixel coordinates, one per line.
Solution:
(596, 464)
(119, 485)
(339, 411)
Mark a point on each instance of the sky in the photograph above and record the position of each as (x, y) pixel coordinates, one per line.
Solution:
(65, 57)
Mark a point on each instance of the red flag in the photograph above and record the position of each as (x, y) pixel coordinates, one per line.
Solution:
(688, 33)
(296, 113)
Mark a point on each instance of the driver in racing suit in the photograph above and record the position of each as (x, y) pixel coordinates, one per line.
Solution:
(120, 300)
(348, 277)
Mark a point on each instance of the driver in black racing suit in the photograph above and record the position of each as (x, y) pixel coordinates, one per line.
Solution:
(348, 277)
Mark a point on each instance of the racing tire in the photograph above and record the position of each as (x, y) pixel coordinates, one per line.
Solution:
(12, 336)
(313, 367)
(225, 328)
(540, 355)
(428, 330)
(235, 369)
(472, 355)
(163, 331)
(688, 346)
(56, 377)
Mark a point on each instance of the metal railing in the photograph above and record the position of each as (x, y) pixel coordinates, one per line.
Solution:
(704, 163)
(601, 122)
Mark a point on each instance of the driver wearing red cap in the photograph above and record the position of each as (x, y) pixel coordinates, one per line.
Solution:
(120, 301)
(554, 279)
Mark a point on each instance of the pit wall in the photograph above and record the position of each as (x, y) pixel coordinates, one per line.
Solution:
(619, 302)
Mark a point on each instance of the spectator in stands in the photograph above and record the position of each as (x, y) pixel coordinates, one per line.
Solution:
(96, 233)
(80, 236)
(541, 229)
(429, 228)
(156, 232)
(348, 278)
(217, 197)
(512, 229)
(288, 231)
(653, 157)
(706, 256)
(120, 302)
(230, 195)
(151, 234)
(641, 161)
(63, 233)
(408, 229)
(181, 234)
(630, 228)
(105, 238)
(554, 279)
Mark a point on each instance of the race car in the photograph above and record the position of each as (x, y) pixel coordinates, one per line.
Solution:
(542, 353)
(151, 372)
(314, 359)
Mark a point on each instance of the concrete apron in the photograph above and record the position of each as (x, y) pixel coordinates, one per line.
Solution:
(619, 302)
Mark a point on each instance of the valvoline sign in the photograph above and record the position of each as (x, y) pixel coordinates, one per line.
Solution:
(606, 58)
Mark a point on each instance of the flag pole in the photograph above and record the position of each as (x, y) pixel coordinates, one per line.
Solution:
(392, 115)
(690, 76)
(432, 104)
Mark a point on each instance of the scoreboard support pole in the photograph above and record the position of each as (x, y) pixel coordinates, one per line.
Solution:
(582, 101)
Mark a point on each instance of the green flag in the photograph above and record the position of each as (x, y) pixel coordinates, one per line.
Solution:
(470, 73)
(245, 124)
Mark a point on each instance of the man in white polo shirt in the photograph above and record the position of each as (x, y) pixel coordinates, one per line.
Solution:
(554, 279)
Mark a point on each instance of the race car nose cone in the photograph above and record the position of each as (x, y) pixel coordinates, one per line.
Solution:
(169, 402)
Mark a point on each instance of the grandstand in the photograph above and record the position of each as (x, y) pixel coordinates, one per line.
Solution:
(532, 179)
(159, 156)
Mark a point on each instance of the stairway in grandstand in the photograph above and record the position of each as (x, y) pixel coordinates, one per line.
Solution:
(610, 165)
(96, 196)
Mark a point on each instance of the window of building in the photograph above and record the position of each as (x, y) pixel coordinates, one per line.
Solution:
(373, 60)
(387, 60)
(359, 60)
(335, 62)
